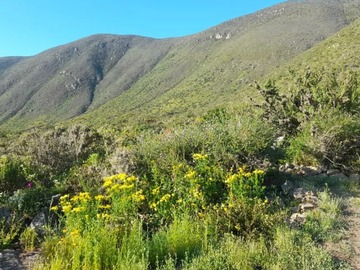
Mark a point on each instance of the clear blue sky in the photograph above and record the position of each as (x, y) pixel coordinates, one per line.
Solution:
(28, 27)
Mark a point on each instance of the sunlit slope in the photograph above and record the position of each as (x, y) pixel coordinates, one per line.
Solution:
(112, 79)
(216, 67)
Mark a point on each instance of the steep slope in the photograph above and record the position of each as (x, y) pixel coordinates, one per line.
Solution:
(116, 78)
(339, 52)
(61, 83)
(215, 67)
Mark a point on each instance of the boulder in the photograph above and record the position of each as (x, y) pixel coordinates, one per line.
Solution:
(297, 219)
(339, 176)
(287, 187)
(303, 207)
(299, 194)
(332, 172)
(39, 222)
(354, 177)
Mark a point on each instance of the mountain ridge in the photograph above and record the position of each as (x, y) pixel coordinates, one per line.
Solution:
(164, 77)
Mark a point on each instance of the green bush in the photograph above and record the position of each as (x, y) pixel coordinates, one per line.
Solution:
(30, 201)
(319, 116)
(12, 176)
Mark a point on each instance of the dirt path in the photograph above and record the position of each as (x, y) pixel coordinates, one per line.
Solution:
(353, 232)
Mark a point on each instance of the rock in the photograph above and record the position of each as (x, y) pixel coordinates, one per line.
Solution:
(303, 207)
(339, 176)
(311, 199)
(39, 223)
(287, 187)
(332, 172)
(5, 213)
(354, 177)
(310, 171)
(297, 219)
(10, 260)
(30, 259)
(298, 194)
(218, 36)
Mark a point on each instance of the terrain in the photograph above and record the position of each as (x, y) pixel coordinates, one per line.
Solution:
(234, 148)
(144, 78)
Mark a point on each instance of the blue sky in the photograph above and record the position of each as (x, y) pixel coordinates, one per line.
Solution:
(28, 27)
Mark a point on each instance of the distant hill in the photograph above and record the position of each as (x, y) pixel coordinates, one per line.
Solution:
(111, 79)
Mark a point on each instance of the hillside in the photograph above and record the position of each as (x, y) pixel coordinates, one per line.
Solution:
(111, 78)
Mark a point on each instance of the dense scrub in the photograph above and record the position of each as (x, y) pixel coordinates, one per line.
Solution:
(194, 196)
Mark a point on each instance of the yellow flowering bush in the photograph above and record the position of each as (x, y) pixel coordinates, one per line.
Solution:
(245, 184)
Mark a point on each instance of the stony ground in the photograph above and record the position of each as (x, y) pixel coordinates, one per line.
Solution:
(14, 260)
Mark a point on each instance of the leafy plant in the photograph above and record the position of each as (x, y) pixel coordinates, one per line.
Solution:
(28, 238)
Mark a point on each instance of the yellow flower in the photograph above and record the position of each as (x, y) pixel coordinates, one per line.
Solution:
(121, 176)
(165, 198)
(231, 179)
(179, 201)
(85, 196)
(199, 157)
(153, 206)
(77, 209)
(66, 208)
(107, 183)
(107, 206)
(105, 216)
(99, 197)
(155, 191)
(247, 175)
(241, 170)
(138, 196)
(75, 233)
(64, 197)
(190, 174)
(259, 172)
(131, 179)
(54, 208)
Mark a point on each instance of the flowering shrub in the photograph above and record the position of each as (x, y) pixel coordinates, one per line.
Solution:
(245, 184)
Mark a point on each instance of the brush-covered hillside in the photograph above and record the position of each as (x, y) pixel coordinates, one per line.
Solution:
(234, 148)
(121, 78)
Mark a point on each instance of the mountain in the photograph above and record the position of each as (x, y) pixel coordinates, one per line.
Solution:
(112, 79)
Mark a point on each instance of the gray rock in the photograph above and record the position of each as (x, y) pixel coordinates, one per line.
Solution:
(339, 176)
(10, 260)
(5, 213)
(297, 219)
(311, 199)
(310, 171)
(303, 207)
(354, 177)
(39, 223)
(299, 194)
(332, 172)
(287, 187)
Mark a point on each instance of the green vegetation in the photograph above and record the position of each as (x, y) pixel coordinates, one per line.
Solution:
(182, 171)
(204, 195)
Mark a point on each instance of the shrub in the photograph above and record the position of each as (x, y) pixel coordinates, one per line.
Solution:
(9, 230)
(28, 238)
(12, 175)
(319, 116)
